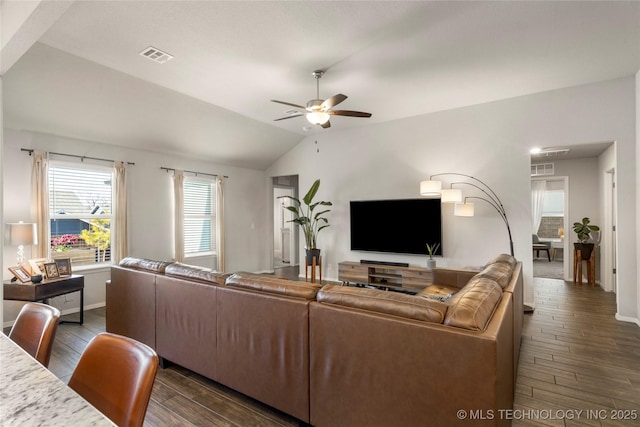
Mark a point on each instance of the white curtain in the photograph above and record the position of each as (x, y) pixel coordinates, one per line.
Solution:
(121, 247)
(178, 196)
(40, 201)
(538, 187)
(220, 223)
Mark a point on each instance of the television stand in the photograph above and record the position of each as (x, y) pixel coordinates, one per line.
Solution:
(410, 279)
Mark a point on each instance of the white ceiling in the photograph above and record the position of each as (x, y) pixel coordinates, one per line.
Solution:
(394, 59)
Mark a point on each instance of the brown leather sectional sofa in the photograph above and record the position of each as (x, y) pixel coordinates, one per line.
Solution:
(335, 355)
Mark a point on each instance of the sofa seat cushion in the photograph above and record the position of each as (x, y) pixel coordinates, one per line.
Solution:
(438, 292)
(194, 272)
(394, 303)
(144, 264)
(500, 272)
(472, 307)
(273, 285)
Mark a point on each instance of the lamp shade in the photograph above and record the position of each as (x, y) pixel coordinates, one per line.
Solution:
(430, 188)
(451, 195)
(19, 233)
(318, 117)
(463, 209)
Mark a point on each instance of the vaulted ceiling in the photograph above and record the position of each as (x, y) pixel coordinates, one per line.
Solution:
(84, 77)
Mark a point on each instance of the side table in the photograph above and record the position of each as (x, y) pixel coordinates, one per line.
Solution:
(47, 289)
(577, 267)
(315, 263)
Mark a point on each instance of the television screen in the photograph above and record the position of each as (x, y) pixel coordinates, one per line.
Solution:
(400, 226)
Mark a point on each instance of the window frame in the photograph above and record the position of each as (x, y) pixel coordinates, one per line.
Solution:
(212, 216)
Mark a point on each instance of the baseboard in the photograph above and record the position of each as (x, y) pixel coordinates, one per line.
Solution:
(628, 319)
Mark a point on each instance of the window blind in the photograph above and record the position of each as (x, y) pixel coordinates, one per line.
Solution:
(199, 216)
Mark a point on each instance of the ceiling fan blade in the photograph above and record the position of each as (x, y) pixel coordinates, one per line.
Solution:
(334, 100)
(326, 124)
(289, 104)
(348, 113)
(289, 117)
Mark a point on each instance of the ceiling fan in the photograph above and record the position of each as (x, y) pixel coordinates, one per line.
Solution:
(318, 111)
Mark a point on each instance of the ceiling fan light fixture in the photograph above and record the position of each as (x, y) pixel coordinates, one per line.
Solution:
(318, 117)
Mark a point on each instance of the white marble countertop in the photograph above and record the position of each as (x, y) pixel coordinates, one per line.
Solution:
(30, 395)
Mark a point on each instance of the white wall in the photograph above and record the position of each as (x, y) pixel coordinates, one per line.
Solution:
(150, 206)
(3, 265)
(637, 177)
(490, 141)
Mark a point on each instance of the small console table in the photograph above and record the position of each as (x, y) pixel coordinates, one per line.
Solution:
(47, 289)
(577, 267)
(411, 279)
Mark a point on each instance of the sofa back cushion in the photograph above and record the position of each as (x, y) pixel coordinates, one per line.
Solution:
(500, 272)
(273, 285)
(504, 259)
(197, 273)
(144, 264)
(472, 307)
(393, 303)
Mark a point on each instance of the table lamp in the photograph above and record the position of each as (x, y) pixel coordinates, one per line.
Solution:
(20, 234)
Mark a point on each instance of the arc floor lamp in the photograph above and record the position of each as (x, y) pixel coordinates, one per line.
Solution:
(462, 207)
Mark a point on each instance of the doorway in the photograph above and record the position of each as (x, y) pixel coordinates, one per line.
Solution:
(550, 208)
(284, 235)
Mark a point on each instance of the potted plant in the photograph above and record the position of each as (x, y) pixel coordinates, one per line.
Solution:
(310, 222)
(431, 250)
(583, 231)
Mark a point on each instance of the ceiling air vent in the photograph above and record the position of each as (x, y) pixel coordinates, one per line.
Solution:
(557, 152)
(542, 169)
(156, 55)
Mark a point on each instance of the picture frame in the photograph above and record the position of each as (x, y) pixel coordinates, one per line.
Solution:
(51, 270)
(64, 266)
(20, 274)
(37, 266)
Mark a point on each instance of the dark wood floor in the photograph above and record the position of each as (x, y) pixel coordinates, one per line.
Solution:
(574, 356)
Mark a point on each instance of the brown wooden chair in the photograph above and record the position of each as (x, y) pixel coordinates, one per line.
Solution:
(34, 330)
(115, 374)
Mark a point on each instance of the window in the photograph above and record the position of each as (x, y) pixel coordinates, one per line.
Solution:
(199, 217)
(80, 212)
(552, 221)
(553, 203)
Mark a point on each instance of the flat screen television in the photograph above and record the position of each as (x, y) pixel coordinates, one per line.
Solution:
(402, 226)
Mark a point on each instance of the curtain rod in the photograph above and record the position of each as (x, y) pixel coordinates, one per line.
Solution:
(196, 173)
(30, 151)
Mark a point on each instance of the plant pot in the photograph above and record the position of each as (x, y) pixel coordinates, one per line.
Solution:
(585, 249)
(313, 253)
(431, 264)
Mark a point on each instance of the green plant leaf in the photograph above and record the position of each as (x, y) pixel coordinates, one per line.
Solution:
(311, 193)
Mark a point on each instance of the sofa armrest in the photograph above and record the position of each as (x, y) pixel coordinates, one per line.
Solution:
(452, 278)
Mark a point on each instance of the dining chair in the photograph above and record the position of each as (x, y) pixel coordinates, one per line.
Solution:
(116, 374)
(35, 329)
(541, 246)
